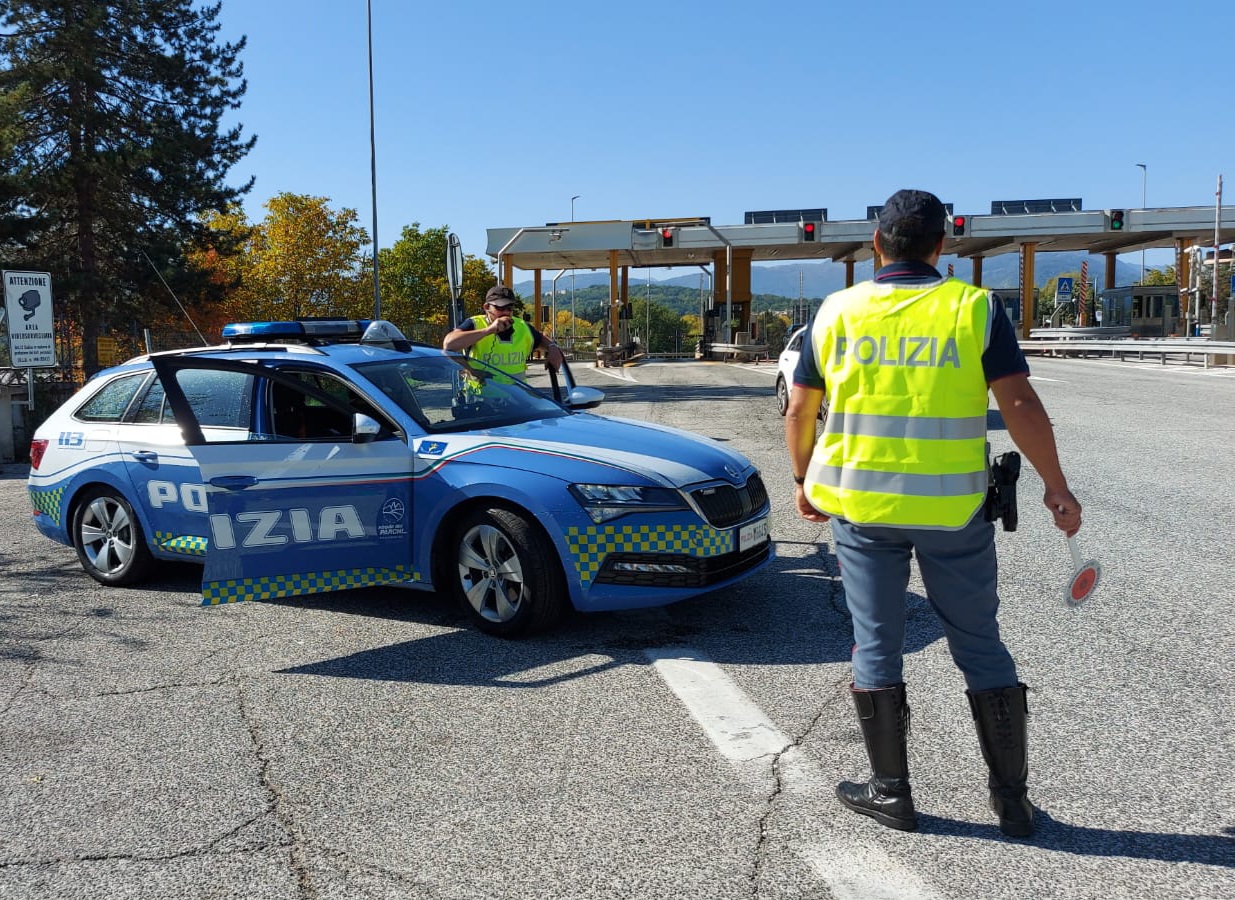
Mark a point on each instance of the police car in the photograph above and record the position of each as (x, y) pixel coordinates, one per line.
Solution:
(302, 457)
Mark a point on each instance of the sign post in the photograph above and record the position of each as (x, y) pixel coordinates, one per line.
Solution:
(32, 335)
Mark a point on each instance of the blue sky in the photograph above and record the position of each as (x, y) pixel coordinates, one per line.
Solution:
(496, 114)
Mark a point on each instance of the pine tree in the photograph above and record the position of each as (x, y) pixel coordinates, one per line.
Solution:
(112, 146)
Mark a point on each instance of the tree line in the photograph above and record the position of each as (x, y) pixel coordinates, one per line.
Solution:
(115, 177)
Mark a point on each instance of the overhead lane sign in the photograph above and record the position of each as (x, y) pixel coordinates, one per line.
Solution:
(27, 304)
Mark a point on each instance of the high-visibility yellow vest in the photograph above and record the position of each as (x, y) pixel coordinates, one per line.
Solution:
(904, 442)
(505, 356)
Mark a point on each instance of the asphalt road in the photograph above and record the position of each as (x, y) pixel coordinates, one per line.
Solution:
(369, 745)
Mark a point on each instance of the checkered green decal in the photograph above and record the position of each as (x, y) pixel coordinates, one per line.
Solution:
(186, 545)
(274, 587)
(47, 502)
(589, 546)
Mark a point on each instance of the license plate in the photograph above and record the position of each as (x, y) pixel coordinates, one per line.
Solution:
(752, 535)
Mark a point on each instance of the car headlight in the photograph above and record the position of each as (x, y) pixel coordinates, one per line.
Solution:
(609, 501)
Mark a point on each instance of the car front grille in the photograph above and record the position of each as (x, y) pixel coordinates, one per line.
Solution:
(724, 505)
(700, 571)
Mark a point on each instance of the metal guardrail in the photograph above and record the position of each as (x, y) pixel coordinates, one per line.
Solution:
(1211, 353)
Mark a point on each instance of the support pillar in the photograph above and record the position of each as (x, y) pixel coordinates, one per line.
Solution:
(977, 271)
(849, 263)
(1027, 284)
(1109, 272)
(740, 286)
(537, 317)
(1183, 281)
(615, 303)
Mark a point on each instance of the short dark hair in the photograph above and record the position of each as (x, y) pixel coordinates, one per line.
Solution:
(911, 224)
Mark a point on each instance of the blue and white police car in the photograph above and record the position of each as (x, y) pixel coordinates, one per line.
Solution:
(302, 457)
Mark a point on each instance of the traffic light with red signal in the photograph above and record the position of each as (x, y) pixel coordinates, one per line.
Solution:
(666, 237)
(957, 226)
(809, 231)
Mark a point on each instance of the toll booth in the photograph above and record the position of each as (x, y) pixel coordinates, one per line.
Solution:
(1010, 300)
(1148, 310)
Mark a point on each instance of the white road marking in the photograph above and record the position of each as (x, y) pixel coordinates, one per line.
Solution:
(1054, 380)
(1176, 368)
(851, 868)
(620, 374)
(765, 368)
(738, 728)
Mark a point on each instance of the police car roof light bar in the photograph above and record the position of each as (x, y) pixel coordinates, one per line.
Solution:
(301, 330)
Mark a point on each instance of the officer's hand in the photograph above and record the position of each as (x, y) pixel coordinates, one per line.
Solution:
(500, 324)
(805, 510)
(1065, 509)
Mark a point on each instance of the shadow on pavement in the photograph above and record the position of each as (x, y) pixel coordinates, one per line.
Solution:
(1051, 834)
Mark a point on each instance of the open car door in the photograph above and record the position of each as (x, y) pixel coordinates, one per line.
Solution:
(294, 512)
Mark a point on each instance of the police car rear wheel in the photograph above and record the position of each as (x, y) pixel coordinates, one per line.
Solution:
(109, 540)
(782, 395)
(507, 576)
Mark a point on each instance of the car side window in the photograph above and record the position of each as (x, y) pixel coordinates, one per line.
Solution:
(153, 408)
(222, 402)
(109, 403)
(296, 415)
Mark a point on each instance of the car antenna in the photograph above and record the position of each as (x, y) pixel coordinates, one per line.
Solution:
(200, 336)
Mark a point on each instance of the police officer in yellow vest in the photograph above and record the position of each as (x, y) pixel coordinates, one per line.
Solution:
(900, 469)
(498, 338)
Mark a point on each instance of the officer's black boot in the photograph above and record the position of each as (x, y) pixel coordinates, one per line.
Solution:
(1000, 717)
(884, 716)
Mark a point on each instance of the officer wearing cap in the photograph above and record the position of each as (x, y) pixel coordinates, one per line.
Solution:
(900, 470)
(500, 339)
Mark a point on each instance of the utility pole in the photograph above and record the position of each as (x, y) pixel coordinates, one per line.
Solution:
(1218, 237)
(1144, 178)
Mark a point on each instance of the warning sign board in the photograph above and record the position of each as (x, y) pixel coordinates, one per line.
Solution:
(108, 350)
(27, 304)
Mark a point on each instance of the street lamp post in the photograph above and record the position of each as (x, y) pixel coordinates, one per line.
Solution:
(1144, 177)
(377, 291)
(572, 280)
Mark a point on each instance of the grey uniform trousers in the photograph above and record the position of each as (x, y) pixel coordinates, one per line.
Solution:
(960, 572)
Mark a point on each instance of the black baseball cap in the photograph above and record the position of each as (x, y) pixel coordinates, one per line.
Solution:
(500, 295)
(911, 214)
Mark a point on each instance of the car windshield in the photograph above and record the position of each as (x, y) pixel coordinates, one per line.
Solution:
(454, 393)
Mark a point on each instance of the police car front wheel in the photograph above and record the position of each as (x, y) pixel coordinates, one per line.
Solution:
(506, 573)
(109, 539)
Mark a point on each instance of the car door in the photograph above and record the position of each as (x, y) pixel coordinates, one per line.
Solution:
(164, 473)
(294, 513)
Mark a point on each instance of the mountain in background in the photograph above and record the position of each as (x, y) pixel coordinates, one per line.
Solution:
(818, 279)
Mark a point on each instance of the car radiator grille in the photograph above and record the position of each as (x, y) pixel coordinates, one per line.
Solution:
(724, 506)
(698, 571)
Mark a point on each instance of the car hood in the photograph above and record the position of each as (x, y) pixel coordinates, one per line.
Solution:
(573, 447)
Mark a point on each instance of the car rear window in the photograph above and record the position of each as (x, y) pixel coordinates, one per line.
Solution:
(109, 402)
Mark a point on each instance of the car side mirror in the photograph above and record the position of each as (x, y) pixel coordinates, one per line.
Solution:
(364, 428)
(584, 398)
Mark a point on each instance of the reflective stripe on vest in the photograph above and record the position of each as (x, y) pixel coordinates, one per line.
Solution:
(510, 356)
(904, 443)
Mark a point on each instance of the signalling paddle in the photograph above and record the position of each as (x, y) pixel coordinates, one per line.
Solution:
(1084, 580)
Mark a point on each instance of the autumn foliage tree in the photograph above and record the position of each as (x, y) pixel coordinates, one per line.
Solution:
(413, 279)
(303, 259)
(112, 145)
